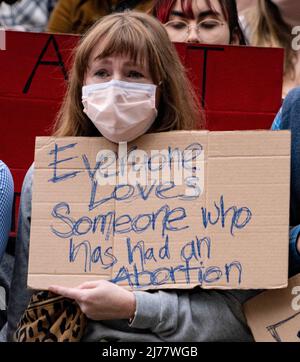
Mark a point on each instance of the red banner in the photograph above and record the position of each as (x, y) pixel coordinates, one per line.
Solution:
(239, 88)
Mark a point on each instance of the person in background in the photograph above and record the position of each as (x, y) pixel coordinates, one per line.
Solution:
(288, 118)
(25, 15)
(77, 16)
(130, 55)
(270, 23)
(200, 21)
(6, 203)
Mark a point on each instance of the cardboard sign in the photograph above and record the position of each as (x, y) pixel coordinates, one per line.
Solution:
(239, 87)
(170, 210)
(274, 316)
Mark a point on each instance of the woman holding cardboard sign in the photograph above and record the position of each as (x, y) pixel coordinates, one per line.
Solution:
(127, 80)
(200, 21)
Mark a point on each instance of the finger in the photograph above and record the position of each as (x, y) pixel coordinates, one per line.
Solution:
(89, 285)
(72, 293)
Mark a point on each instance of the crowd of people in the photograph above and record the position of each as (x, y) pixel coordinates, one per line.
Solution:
(127, 48)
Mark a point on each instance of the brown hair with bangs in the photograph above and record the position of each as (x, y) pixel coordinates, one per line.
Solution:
(144, 39)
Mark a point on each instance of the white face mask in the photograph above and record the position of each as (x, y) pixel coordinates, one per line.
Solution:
(121, 111)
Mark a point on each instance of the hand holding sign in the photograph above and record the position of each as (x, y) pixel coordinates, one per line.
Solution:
(100, 300)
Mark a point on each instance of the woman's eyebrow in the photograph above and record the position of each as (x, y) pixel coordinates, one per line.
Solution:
(201, 15)
(103, 60)
(132, 64)
(207, 13)
(177, 13)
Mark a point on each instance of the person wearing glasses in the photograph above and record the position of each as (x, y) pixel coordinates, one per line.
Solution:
(200, 21)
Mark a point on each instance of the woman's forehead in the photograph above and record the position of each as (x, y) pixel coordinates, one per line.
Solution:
(201, 7)
(99, 54)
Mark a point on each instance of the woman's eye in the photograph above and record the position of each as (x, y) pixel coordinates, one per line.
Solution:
(178, 25)
(102, 73)
(135, 74)
(211, 24)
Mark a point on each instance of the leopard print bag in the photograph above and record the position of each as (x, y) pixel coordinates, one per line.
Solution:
(51, 318)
